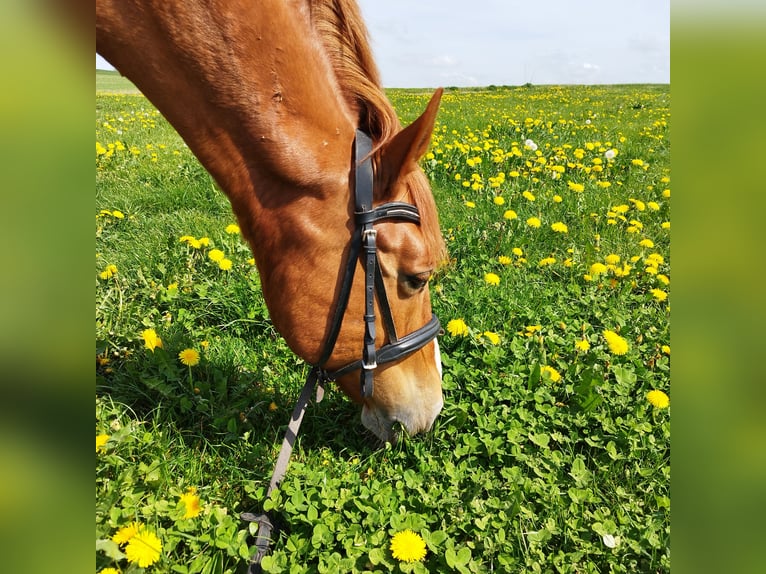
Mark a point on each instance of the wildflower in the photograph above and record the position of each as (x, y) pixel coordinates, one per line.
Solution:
(189, 357)
(557, 199)
(144, 548)
(533, 222)
(108, 272)
(617, 345)
(504, 260)
(532, 329)
(547, 261)
(658, 399)
(191, 502)
(666, 193)
(653, 205)
(530, 144)
(510, 214)
(101, 441)
(665, 349)
(151, 339)
(648, 243)
(491, 279)
(659, 294)
(637, 162)
(576, 187)
(408, 546)
(499, 200)
(125, 533)
(665, 225)
(251, 261)
(559, 227)
(118, 214)
(109, 570)
(232, 229)
(612, 259)
(225, 264)
(610, 153)
(597, 269)
(100, 150)
(528, 196)
(457, 328)
(552, 373)
(273, 406)
(216, 255)
(494, 338)
(582, 345)
(195, 243)
(517, 251)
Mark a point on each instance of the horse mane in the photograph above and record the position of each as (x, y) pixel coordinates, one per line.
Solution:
(344, 36)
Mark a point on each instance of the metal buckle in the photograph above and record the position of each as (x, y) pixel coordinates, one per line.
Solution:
(369, 366)
(372, 232)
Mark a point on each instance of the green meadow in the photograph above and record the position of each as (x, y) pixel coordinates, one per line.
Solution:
(552, 453)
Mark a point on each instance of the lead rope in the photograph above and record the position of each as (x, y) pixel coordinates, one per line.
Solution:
(317, 377)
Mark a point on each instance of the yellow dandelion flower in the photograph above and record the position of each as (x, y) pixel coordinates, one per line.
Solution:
(225, 264)
(189, 357)
(582, 345)
(617, 345)
(499, 200)
(559, 227)
(612, 259)
(504, 260)
(552, 373)
(510, 214)
(470, 204)
(528, 196)
(108, 272)
(101, 442)
(195, 243)
(557, 199)
(517, 251)
(100, 150)
(658, 399)
(204, 241)
(491, 279)
(216, 255)
(637, 162)
(534, 222)
(125, 533)
(597, 269)
(665, 349)
(546, 262)
(251, 261)
(273, 406)
(144, 548)
(576, 187)
(494, 338)
(653, 205)
(659, 294)
(118, 214)
(191, 502)
(232, 229)
(109, 570)
(408, 546)
(151, 339)
(457, 328)
(648, 243)
(666, 193)
(665, 225)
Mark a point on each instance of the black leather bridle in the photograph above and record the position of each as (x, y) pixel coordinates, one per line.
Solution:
(363, 244)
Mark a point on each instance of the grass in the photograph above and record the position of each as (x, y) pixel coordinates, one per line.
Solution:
(111, 82)
(547, 457)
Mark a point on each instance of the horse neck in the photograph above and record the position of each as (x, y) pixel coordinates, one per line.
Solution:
(247, 86)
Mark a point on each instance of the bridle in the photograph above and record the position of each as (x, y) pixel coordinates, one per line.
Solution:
(363, 244)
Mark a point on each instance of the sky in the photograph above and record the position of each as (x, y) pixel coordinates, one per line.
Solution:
(511, 42)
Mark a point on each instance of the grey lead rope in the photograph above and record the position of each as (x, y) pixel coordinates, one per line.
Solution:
(263, 538)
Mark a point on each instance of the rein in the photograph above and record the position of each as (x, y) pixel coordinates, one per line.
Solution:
(363, 249)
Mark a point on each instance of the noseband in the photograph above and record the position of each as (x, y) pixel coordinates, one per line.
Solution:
(363, 245)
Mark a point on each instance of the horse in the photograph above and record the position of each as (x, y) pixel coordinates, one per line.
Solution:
(276, 99)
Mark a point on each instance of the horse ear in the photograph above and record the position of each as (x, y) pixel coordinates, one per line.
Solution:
(402, 153)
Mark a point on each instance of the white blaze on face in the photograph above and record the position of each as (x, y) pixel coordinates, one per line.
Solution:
(438, 357)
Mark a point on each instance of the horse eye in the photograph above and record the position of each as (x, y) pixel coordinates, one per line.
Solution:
(417, 281)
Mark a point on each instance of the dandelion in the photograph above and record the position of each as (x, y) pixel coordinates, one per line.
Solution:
(232, 229)
(189, 357)
(597, 269)
(653, 205)
(273, 406)
(504, 260)
(658, 399)
(101, 442)
(610, 153)
(225, 264)
(457, 328)
(617, 345)
(530, 144)
(144, 549)
(559, 227)
(510, 214)
(408, 546)
(557, 199)
(665, 225)
(612, 259)
(470, 204)
(494, 338)
(666, 193)
(517, 251)
(534, 222)
(659, 294)
(528, 196)
(499, 200)
(151, 339)
(191, 501)
(552, 373)
(576, 187)
(216, 255)
(491, 279)
(108, 272)
(118, 214)
(582, 345)
(546, 262)
(665, 349)
(637, 162)
(125, 533)
(648, 243)
(109, 570)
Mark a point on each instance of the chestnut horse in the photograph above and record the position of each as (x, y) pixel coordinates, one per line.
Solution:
(268, 94)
